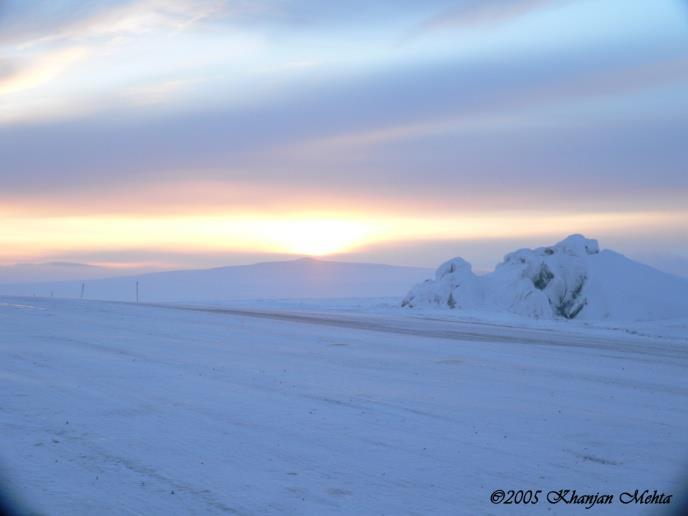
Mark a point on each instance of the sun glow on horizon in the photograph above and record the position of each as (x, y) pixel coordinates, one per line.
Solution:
(317, 237)
(310, 234)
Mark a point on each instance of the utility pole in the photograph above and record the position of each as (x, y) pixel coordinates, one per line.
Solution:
(83, 288)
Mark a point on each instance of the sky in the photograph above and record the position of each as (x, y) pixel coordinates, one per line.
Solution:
(149, 134)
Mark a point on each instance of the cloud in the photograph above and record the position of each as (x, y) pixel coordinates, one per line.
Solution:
(41, 21)
(159, 92)
(479, 13)
(6, 68)
(17, 78)
(430, 133)
(506, 111)
(51, 22)
(130, 48)
(385, 134)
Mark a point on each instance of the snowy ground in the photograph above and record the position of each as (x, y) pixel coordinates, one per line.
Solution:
(339, 408)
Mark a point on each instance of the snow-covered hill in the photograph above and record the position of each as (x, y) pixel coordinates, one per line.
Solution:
(302, 278)
(53, 271)
(571, 279)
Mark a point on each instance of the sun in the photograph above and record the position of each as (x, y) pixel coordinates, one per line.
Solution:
(319, 237)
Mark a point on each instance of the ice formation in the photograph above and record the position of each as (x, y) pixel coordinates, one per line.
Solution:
(571, 279)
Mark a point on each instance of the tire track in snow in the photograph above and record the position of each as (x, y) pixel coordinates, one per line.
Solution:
(645, 347)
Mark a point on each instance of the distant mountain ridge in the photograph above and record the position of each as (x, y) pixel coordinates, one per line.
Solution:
(300, 278)
(51, 271)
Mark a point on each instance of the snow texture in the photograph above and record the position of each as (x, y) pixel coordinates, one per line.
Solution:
(572, 279)
(118, 409)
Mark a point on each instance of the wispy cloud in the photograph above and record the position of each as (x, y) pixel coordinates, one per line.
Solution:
(39, 71)
(479, 13)
(515, 109)
(161, 92)
(138, 52)
(7, 68)
(85, 21)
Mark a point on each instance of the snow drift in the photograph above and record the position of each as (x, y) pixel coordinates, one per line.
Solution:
(572, 279)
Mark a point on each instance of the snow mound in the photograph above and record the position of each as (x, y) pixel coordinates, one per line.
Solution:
(572, 279)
